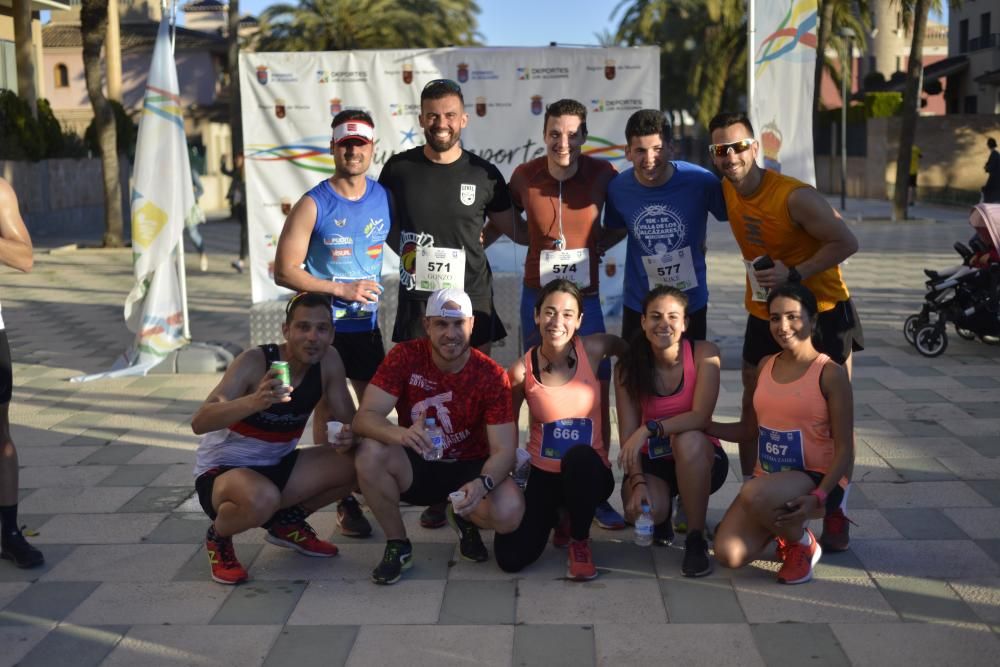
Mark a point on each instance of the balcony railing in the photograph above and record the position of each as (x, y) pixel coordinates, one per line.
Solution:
(984, 42)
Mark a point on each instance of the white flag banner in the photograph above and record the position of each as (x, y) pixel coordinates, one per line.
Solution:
(289, 100)
(162, 198)
(784, 62)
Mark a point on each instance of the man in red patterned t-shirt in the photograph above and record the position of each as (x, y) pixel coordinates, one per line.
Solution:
(468, 394)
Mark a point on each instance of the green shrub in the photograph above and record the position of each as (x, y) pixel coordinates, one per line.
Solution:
(883, 105)
(127, 132)
(25, 137)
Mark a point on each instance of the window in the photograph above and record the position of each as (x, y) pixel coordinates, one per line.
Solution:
(60, 75)
(984, 29)
(963, 36)
(971, 104)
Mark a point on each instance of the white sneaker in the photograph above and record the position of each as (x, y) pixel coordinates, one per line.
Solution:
(203, 263)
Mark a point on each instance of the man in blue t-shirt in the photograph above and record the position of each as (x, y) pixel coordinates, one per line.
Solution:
(337, 232)
(663, 206)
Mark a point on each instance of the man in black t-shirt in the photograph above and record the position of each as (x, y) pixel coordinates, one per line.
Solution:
(443, 196)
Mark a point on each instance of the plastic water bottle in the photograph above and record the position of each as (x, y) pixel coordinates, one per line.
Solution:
(522, 468)
(437, 439)
(644, 528)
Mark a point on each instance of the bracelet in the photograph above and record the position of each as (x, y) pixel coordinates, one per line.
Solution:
(819, 493)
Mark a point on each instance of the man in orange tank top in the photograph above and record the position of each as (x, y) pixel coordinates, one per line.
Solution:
(778, 218)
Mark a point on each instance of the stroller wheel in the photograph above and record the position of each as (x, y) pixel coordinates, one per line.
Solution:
(967, 334)
(931, 340)
(910, 326)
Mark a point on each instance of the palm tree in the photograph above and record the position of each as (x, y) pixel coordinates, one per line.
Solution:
(342, 25)
(834, 15)
(233, 69)
(93, 26)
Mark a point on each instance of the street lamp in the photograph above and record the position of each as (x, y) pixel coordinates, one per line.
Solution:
(846, 72)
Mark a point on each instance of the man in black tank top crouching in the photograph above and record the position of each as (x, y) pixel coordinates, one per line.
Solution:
(249, 471)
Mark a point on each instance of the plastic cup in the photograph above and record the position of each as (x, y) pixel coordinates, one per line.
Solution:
(332, 429)
(456, 496)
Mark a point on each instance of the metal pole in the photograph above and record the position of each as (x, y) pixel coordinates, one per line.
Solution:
(751, 34)
(846, 72)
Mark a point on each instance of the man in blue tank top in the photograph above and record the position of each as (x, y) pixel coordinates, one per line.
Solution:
(249, 470)
(332, 243)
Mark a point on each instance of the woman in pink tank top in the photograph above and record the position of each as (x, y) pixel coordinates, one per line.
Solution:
(665, 391)
(803, 423)
(570, 471)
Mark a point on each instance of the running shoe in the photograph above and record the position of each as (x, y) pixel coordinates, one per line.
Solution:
(226, 568)
(470, 544)
(836, 535)
(237, 265)
(434, 516)
(15, 548)
(607, 517)
(696, 562)
(203, 262)
(302, 538)
(351, 518)
(780, 548)
(580, 564)
(398, 556)
(799, 561)
(663, 534)
(680, 517)
(560, 533)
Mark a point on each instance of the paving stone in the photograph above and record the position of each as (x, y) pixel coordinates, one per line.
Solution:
(863, 384)
(977, 427)
(919, 371)
(433, 645)
(919, 395)
(592, 602)
(701, 645)
(923, 469)
(705, 600)
(196, 567)
(176, 474)
(29, 455)
(978, 523)
(113, 455)
(54, 554)
(364, 603)
(904, 447)
(35, 477)
(924, 494)
(157, 499)
(134, 475)
(10, 590)
(978, 381)
(543, 645)
(260, 603)
(17, 640)
(151, 603)
(924, 558)
(74, 645)
(798, 643)
(983, 597)
(819, 601)
(354, 562)
(312, 646)
(78, 500)
(987, 489)
(172, 645)
(45, 602)
(907, 644)
(924, 524)
(920, 427)
(978, 410)
(122, 562)
(479, 603)
(180, 528)
(91, 436)
(843, 565)
(96, 528)
(985, 445)
(972, 467)
(924, 600)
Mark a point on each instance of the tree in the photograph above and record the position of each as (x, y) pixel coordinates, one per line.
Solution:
(834, 15)
(93, 26)
(233, 70)
(343, 25)
(914, 14)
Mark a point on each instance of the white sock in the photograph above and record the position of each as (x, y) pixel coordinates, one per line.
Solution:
(806, 539)
(843, 501)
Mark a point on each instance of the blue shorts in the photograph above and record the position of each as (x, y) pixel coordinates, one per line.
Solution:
(593, 322)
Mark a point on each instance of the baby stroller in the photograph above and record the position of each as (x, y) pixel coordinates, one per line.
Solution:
(967, 295)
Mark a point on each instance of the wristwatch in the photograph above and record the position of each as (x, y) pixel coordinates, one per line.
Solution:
(793, 275)
(487, 482)
(654, 428)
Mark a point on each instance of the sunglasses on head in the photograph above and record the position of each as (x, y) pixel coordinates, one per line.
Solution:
(447, 84)
(721, 150)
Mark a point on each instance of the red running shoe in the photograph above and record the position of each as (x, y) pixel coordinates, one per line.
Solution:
(226, 568)
(560, 534)
(836, 531)
(799, 561)
(302, 538)
(580, 564)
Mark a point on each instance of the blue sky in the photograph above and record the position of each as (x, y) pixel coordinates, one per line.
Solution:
(526, 22)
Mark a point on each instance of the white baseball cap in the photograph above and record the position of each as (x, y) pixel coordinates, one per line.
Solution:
(353, 129)
(436, 305)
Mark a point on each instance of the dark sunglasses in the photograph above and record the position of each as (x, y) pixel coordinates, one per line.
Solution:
(447, 84)
(721, 150)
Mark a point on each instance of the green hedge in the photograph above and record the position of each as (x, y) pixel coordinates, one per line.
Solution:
(883, 105)
(25, 137)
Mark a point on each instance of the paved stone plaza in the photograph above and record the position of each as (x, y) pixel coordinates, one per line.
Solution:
(106, 482)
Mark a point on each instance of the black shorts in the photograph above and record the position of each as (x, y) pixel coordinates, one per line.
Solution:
(434, 480)
(410, 324)
(278, 474)
(839, 334)
(666, 469)
(697, 328)
(361, 352)
(6, 370)
(834, 498)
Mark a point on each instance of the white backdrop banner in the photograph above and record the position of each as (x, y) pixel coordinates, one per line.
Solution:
(289, 100)
(784, 51)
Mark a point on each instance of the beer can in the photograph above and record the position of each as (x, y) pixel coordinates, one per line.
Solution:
(283, 372)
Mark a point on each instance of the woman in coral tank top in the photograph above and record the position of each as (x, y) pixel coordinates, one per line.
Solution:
(803, 422)
(570, 471)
